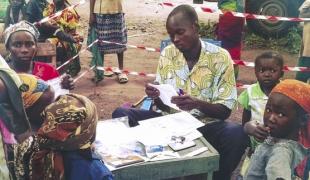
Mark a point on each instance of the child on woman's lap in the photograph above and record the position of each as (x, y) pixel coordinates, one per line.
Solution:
(285, 120)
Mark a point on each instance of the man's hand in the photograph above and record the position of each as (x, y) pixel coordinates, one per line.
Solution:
(259, 131)
(67, 82)
(151, 91)
(185, 102)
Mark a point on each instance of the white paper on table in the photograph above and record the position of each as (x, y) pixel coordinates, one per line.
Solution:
(55, 83)
(114, 131)
(166, 92)
(161, 129)
(180, 122)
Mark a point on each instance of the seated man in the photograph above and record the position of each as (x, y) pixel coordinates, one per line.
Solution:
(205, 72)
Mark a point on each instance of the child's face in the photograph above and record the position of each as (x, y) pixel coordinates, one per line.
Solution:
(268, 72)
(280, 115)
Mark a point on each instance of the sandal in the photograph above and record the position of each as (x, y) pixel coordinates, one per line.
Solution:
(108, 73)
(122, 78)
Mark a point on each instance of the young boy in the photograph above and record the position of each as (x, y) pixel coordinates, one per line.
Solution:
(285, 118)
(268, 71)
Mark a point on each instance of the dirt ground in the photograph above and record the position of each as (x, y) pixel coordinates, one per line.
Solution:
(146, 26)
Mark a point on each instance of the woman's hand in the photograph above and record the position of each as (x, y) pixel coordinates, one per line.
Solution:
(259, 131)
(67, 82)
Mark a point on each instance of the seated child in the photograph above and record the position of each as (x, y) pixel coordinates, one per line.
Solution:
(285, 118)
(268, 71)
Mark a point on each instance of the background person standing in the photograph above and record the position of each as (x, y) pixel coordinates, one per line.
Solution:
(230, 28)
(304, 59)
(108, 19)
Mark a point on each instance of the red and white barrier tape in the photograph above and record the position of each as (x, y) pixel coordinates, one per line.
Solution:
(237, 62)
(237, 14)
(134, 46)
(83, 74)
(142, 74)
(58, 13)
(80, 52)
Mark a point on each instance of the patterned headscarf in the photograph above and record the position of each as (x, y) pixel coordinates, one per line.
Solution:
(20, 26)
(296, 90)
(300, 93)
(69, 125)
(32, 88)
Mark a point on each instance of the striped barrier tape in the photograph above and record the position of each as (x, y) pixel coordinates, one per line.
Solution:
(58, 13)
(80, 52)
(237, 14)
(141, 74)
(237, 62)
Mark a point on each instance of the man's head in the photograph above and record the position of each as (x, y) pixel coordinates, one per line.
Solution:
(182, 27)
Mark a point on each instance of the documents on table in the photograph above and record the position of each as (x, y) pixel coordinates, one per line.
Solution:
(120, 145)
(161, 129)
(166, 92)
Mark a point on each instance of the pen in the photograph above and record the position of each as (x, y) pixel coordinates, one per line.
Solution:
(181, 92)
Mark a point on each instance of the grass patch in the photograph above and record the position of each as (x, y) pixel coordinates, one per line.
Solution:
(290, 43)
(207, 30)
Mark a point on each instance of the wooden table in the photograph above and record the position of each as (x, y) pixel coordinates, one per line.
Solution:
(205, 163)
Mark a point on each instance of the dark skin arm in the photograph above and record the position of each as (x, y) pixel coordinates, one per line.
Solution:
(154, 93)
(4, 97)
(92, 18)
(188, 103)
(246, 116)
(34, 112)
(67, 82)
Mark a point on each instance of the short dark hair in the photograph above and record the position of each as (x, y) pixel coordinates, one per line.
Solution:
(270, 55)
(189, 14)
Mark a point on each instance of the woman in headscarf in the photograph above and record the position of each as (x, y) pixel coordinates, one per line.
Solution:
(63, 133)
(64, 142)
(21, 42)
